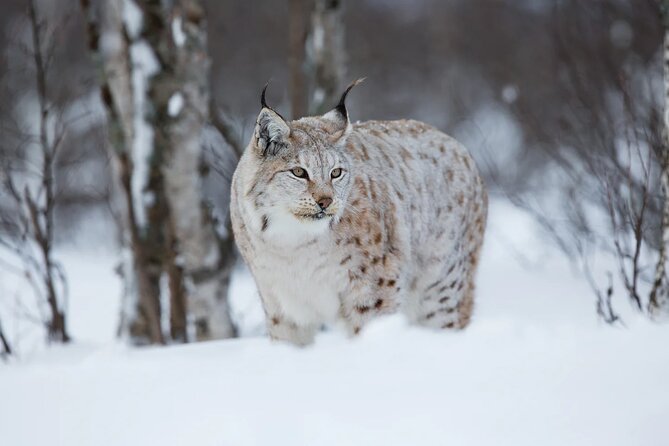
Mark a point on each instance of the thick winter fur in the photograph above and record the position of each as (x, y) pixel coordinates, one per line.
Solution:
(403, 231)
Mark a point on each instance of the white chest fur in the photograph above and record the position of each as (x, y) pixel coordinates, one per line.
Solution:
(296, 270)
(305, 284)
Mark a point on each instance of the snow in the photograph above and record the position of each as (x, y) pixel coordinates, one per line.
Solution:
(492, 127)
(83, 114)
(534, 368)
(175, 104)
(510, 93)
(145, 65)
(318, 36)
(177, 32)
(110, 43)
(94, 302)
(393, 386)
(319, 95)
(132, 18)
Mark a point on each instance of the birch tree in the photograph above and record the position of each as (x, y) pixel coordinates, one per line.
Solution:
(659, 295)
(317, 55)
(197, 267)
(110, 40)
(154, 85)
(297, 34)
(326, 55)
(27, 180)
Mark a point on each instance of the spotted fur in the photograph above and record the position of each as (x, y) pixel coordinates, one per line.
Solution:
(403, 232)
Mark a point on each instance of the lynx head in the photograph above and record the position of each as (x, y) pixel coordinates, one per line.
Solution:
(302, 172)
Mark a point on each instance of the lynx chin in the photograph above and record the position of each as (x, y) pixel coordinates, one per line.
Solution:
(340, 222)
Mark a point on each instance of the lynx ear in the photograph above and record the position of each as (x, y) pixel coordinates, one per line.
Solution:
(272, 131)
(339, 114)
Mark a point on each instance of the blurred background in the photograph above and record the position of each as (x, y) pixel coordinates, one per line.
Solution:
(105, 103)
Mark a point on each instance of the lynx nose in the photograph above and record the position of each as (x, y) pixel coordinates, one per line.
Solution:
(324, 202)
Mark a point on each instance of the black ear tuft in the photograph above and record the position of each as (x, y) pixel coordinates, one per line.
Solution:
(341, 107)
(263, 102)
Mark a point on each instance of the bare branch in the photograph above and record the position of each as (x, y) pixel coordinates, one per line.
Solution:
(4, 343)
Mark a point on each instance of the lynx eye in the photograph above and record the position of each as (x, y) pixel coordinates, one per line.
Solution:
(299, 172)
(336, 173)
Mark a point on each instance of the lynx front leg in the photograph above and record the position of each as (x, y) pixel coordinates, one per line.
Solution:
(282, 328)
(358, 307)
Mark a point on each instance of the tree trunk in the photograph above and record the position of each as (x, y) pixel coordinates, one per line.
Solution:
(298, 10)
(326, 55)
(658, 305)
(41, 205)
(179, 95)
(169, 231)
(141, 235)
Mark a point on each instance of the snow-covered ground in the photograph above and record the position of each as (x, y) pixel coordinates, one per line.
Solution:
(534, 368)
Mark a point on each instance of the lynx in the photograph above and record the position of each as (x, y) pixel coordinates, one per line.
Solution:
(340, 222)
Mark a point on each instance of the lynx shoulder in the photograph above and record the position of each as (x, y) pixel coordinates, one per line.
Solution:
(343, 222)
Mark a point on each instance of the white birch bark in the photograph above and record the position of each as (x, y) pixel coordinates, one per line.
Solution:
(188, 107)
(115, 62)
(180, 97)
(121, 57)
(155, 88)
(326, 55)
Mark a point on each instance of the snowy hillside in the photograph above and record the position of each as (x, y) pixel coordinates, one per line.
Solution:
(491, 385)
(534, 368)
